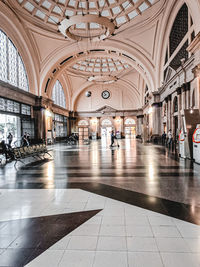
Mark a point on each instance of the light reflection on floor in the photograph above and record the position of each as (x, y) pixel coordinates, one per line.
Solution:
(147, 169)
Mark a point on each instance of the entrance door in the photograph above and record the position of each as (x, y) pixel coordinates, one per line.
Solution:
(106, 131)
(130, 132)
(106, 136)
(10, 124)
(83, 133)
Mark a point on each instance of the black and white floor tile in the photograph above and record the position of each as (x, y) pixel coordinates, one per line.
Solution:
(114, 233)
(136, 206)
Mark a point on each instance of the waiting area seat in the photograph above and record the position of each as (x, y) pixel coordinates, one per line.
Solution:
(21, 153)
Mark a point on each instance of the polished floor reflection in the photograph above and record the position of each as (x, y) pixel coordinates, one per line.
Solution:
(149, 199)
(146, 169)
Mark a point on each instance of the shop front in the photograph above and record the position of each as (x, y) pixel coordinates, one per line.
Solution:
(59, 127)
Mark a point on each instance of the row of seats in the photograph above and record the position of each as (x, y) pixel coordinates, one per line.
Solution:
(30, 151)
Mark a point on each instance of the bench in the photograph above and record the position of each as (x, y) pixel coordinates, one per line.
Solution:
(35, 151)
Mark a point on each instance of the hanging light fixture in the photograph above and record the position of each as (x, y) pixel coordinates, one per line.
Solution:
(106, 26)
(93, 20)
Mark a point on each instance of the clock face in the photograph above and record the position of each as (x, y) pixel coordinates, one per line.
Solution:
(105, 94)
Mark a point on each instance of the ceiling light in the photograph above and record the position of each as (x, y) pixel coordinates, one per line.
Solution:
(106, 79)
(68, 27)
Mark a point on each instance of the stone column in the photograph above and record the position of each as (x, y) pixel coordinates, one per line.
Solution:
(179, 107)
(169, 112)
(195, 86)
(188, 98)
(156, 118)
(184, 97)
(40, 123)
(98, 127)
(139, 125)
(122, 126)
(194, 48)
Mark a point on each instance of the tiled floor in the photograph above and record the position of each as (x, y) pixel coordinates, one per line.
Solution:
(130, 225)
(104, 240)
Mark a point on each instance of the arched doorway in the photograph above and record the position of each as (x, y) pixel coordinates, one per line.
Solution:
(130, 128)
(106, 128)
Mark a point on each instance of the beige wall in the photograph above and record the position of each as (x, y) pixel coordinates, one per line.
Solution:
(120, 99)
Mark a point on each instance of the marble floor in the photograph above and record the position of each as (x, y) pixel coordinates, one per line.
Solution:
(89, 205)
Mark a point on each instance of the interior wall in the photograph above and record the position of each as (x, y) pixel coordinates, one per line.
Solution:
(120, 99)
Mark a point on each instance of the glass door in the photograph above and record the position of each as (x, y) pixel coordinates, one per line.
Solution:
(10, 124)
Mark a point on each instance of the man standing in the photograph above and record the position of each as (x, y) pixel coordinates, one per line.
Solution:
(112, 138)
(10, 138)
(163, 138)
(169, 138)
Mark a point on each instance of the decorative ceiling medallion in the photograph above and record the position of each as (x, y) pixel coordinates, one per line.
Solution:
(68, 27)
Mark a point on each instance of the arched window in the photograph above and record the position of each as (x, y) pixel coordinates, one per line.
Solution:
(175, 104)
(12, 68)
(58, 95)
(129, 121)
(193, 98)
(83, 123)
(106, 122)
(181, 35)
(164, 109)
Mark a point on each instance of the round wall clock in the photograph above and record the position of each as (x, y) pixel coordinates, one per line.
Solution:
(105, 94)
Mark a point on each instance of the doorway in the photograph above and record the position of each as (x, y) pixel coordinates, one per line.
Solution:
(130, 132)
(106, 131)
(83, 133)
(10, 124)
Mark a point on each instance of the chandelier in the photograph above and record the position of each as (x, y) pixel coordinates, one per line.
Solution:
(93, 20)
(68, 25)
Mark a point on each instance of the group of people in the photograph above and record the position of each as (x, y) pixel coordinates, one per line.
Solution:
(167, 137)
(25, 140)
(6, 147)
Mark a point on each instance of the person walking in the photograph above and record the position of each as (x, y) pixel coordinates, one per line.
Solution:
(169, 138)
(10, 138)
(164, 138)
(112, 138)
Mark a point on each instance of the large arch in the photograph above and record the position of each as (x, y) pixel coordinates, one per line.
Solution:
(144, 65)
(172, 8)
(15, 31)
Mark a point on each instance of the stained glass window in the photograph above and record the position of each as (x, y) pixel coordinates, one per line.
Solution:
(58, 95)
(3, 57)
(23, 81)
(12, 68)
(25, 109)
(12, 63)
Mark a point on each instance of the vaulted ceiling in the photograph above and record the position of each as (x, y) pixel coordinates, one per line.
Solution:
(81, 43)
